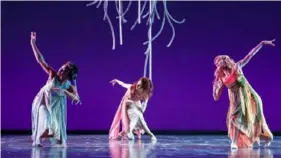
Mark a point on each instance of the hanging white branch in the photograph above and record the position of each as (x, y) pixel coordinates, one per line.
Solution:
(150, 15)
(143, 7)
(170, 19)
(120, 22)
(151, 18)
(139, 11)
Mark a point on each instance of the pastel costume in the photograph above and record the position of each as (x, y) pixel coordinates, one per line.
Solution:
(245, 119)
(49, 111)
(131, 117)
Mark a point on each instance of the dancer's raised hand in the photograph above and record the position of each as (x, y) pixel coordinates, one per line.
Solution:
(113, 82)
(269, 42)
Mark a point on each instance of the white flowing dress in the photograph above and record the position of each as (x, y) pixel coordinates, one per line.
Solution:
(49, 111)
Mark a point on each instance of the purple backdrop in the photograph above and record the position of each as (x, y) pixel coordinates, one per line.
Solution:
(182, 74)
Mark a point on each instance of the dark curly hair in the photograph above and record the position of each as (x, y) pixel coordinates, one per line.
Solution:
(72, 70)
(146, 85)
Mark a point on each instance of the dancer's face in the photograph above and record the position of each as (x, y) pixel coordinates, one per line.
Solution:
(139, 86)
(224, 61)
(63, 72)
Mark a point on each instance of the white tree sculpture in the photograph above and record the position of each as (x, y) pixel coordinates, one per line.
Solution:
(150, 15)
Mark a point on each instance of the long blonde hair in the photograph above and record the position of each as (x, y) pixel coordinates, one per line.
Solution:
(227, 63)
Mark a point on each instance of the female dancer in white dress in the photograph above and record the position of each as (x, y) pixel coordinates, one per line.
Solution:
(49, 105)
(130, 110)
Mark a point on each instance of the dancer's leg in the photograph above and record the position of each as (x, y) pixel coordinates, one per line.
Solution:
(42, 125)
(133, 122)
(266, 135)
(146, 129)
(234, 138)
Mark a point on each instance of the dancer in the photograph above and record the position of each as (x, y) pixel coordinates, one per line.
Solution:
(130, 110)
(49, 105)
(245, 118)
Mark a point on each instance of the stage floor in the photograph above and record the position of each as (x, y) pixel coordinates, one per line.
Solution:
(166, 146)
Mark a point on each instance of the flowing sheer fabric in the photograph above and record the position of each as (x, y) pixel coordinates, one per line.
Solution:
(245, 118)
(49, 111)
(121, 116)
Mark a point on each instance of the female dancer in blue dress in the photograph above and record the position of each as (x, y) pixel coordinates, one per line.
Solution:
(49, 105)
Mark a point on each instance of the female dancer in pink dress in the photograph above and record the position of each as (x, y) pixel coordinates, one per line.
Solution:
(130, 110)
(245, 120)
(49, 105)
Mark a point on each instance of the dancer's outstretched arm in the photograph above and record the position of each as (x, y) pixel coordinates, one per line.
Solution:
(39, 57)
(217, 89)
(125, 85)
(254, 51)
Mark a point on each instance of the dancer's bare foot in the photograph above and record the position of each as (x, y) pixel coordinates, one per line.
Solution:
(267, 144)
(268, 139)
(153, 138)
(130, 136)
(234, 145)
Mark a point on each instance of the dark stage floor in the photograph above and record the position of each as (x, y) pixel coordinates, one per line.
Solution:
(167, 146)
